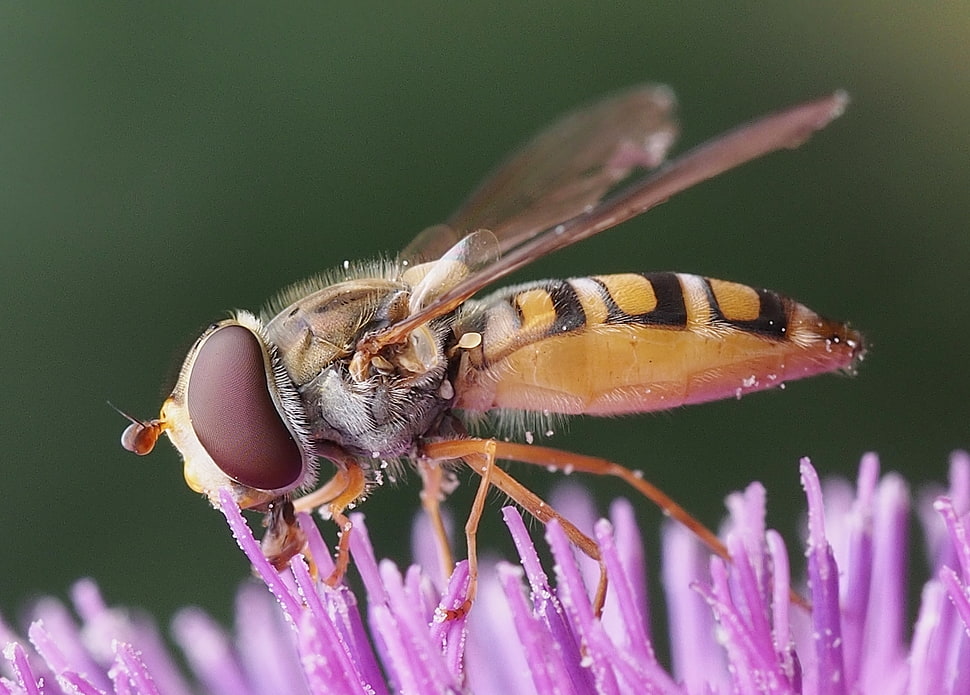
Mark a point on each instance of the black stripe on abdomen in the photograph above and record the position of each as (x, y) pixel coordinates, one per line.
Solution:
(772, 319)
(670, 309)
(569, 310)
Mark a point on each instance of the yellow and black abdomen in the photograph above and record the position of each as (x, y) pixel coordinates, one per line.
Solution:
(628, 343)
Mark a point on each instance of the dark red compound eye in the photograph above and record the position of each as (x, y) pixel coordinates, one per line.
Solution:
(234, 416)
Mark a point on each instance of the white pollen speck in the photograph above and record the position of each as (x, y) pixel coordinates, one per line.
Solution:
(346, 265)
(737, 393)
(749, 382)
(638, 474)
(375, 454)
(568, 469)
(529, 438)
(560, 228)
(549, 433)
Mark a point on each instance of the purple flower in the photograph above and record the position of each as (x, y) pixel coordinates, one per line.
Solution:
(737, 627)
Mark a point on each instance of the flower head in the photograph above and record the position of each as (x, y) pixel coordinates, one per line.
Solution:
(735, 627)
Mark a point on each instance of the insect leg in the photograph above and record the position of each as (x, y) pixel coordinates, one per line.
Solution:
(346, 486)
(484, 465)
(324, 494)
(356, 483)
(569, 461)
(432, 492)
(480, 455)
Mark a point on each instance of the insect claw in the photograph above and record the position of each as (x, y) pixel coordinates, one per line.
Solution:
(443, 614)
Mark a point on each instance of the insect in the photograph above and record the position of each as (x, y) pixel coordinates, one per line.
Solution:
(378, 364)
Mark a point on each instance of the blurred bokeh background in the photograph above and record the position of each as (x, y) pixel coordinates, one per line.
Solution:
(162, 164)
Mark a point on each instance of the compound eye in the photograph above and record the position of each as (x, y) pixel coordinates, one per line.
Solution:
(234, 415)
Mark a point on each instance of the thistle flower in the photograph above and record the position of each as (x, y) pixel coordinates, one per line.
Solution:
(734, 626)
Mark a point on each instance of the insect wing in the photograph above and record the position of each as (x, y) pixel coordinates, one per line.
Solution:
(430, 280)
(562, 171)
(788, 128)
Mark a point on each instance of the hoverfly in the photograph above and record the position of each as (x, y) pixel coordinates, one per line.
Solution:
(387, 362)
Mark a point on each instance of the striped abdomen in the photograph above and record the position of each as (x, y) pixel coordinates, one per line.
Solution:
(629, 343)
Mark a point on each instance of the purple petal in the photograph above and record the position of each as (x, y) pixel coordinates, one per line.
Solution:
(63, 668)
(491, 639)
(858, 532)
(957, 532)
(267, 644)
(324, 664)
(698, 660)
(780, 603)
(316, 546)
(22, 670)
(129, 672)
(883, 663)
(547, 607)
(208, 651)
(823, 580)
(247, 543)
(629, 545)
(623, 596)
(546, 666)
(575, 599)
(362, 553)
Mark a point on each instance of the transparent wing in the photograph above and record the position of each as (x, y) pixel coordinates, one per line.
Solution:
(562, 171)
(785, 129)
(429, 281)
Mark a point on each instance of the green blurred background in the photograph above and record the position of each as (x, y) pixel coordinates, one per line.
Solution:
(161, 165)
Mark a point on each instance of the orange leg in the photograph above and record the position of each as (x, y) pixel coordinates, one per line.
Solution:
(568, 461)
(432, 492)
(484, 465)
(323, 495)
(481, 455)
(338, 493)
